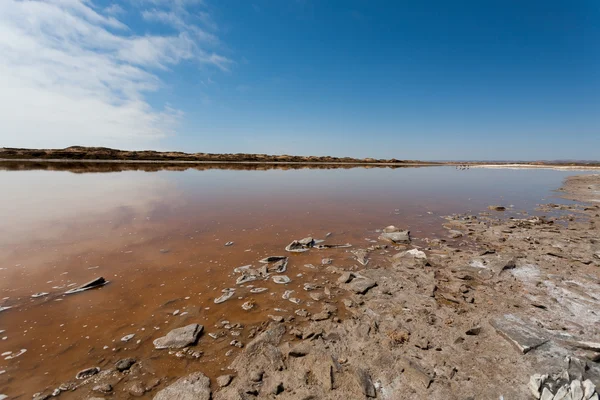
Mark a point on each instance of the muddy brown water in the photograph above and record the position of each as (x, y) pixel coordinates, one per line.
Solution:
(159, 238)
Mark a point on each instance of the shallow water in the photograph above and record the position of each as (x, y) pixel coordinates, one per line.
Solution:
(159, 238)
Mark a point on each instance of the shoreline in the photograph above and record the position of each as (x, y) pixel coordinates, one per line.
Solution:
(332, 164)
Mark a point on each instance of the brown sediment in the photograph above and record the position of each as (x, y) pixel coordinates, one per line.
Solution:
(440, 327)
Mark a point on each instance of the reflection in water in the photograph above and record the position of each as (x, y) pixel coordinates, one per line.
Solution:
(159, 238)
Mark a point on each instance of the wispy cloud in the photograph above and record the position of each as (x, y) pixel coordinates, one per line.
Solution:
(73, 73)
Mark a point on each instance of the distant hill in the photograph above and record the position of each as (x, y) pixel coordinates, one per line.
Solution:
(104, 153)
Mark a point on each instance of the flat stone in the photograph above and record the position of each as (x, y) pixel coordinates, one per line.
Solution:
(296, 247)
(497, 208)
(360, 285)
(192, 387)
(321, 316)
(396, 237)
(124, 364)
(225, 296)
(523, 337)
(86, 373)
(281, 279)
(100, 281)
(127, 338)
(180, 337)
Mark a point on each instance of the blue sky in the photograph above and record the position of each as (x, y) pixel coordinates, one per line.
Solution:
(409, 80)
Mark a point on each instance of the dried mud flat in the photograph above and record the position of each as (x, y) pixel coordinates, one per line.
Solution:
(506, 308)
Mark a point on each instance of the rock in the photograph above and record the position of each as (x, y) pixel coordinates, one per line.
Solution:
(364, 381)
(326, 261)
(563, 393)
(124, 364)
(535, 384)
(127, 338)
(415, 373)
(333, 246)
(227, 294)
(272, 259)
(307, 242)
(244, 278)
(576, 390)
(455, 234)
(523, 337)
(276, 318)
(497, 208)
(281, 279)
(180, 337)
(249, 305)
(362, 256)
(317, 296)
(588, 389)
(224, 380)
(396, 237)
(271, 336)
(86, 373)
(95, 283)
(136, 388)
(192, 387)
(476, 330)
(321, 316)
(256, 376)
(279, 266)
(3, 397)
(546, 394)
(345, 278)
(390, 229)
(299, 350)
(413, 253)
(360, 285)
(229, 244)
(272, 386)
(40, 294)
(258, 290)
(296, 247)
(103, 388)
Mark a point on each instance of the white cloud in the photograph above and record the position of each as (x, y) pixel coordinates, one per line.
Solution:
(71, 74)
(114, 9)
